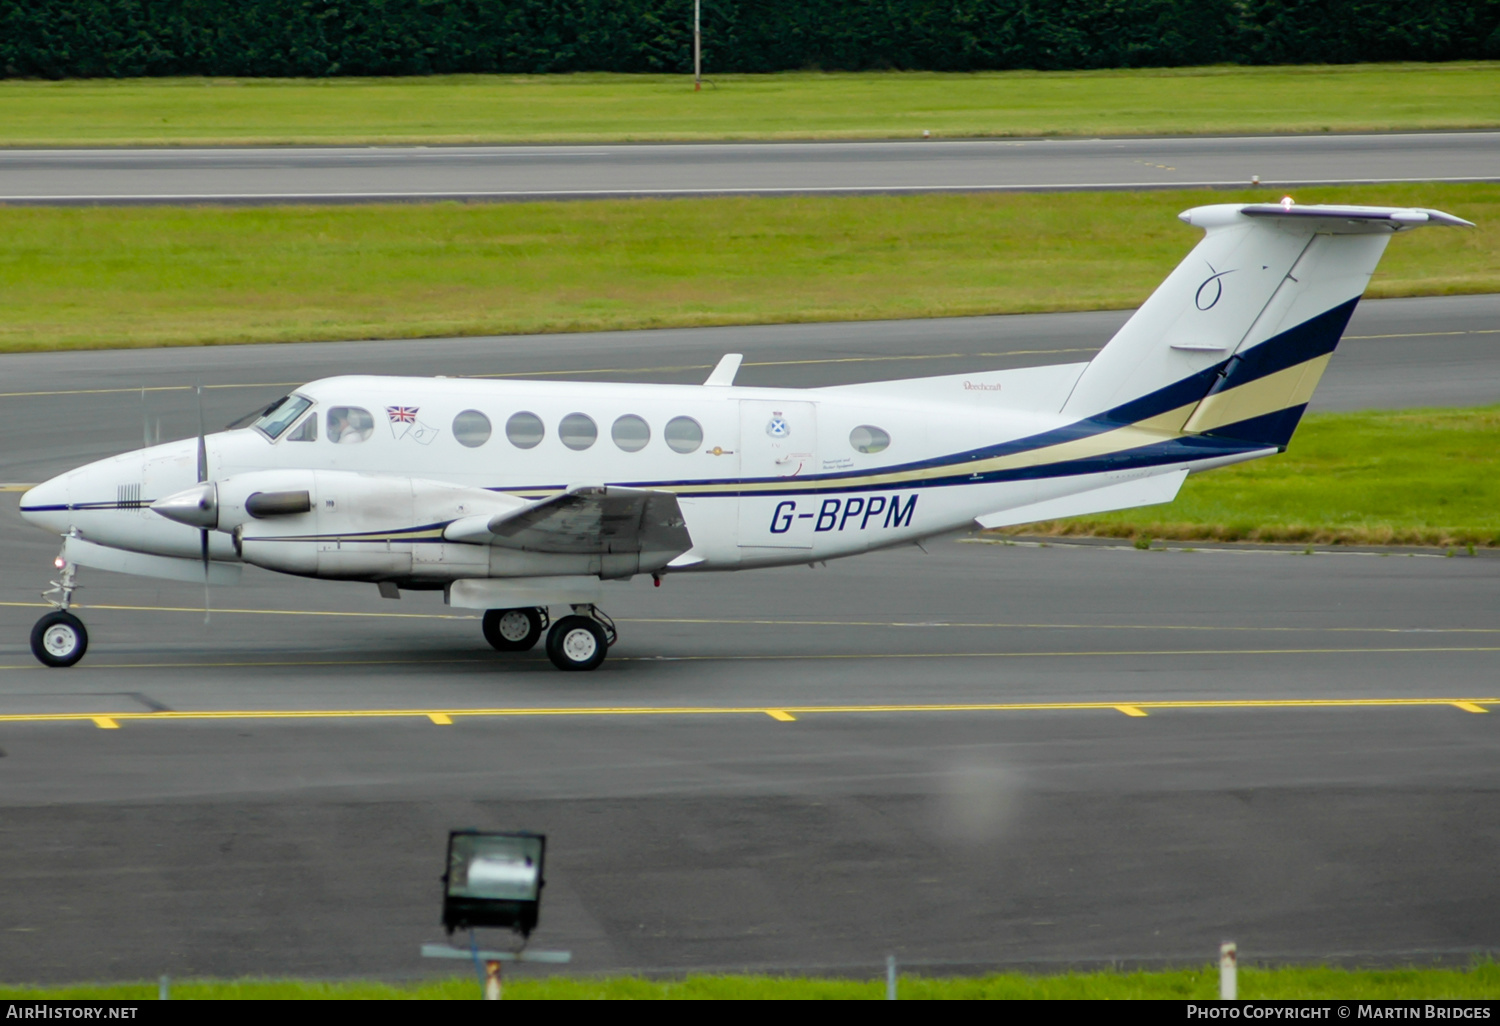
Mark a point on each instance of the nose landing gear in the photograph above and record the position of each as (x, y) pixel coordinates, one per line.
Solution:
(59, 638)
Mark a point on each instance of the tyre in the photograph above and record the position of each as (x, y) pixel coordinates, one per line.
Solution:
(512, 630)
(577, 643)
(59, 639)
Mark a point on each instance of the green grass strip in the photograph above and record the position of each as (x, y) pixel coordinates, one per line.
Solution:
(1411, 477)
(146, 276)
(1479, 981)
(805, 105)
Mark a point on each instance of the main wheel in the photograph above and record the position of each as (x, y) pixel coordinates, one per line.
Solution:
(577, 643)
(512, 630)
(59, 639)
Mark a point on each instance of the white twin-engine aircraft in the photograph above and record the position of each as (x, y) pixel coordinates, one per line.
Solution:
(514, 497)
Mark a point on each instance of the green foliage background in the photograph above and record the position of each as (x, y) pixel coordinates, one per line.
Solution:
(315, 38)
(1480, 980)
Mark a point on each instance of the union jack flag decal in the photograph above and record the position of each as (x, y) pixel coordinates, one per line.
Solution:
(402, 414)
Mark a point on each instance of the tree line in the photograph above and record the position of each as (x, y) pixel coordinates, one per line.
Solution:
(129, 38)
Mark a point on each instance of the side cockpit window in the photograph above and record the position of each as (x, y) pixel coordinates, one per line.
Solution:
(280, 415)
(307, 431)
(349, 425)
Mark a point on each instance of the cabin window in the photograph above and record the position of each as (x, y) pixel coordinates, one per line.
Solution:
(471, 428)
(525, 430)
(683, 434)
(307, 431)
(280, 415)
(631, 433)
(578, 431)
(349, 425)
(869, 439)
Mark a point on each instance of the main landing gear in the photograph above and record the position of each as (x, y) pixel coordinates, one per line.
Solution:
(514, 630)
(576, 642)
(59, 638)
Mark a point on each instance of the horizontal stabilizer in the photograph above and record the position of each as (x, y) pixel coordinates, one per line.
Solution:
(1353, 220)
(167, 568)
(1141, 491)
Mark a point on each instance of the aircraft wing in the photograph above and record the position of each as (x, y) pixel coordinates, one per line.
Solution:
(585, 519)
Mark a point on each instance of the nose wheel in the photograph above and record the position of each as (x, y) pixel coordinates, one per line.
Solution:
(59, 639)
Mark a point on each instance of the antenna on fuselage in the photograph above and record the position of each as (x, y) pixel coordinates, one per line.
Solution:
(728, 367)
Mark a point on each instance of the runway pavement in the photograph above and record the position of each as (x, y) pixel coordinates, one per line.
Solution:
(370, 174)
(838, 809)
(979, 755)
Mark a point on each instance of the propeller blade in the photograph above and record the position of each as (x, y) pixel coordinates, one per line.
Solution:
(203, 476)
(203, 534)
(202, 454)
(145, 422)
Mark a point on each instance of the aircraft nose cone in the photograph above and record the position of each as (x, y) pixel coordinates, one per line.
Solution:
(197, 506)
(47, 504)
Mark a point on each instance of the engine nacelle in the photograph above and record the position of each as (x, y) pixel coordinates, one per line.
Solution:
(351, 526)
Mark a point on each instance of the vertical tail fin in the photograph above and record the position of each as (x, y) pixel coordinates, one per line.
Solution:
(1235, 340)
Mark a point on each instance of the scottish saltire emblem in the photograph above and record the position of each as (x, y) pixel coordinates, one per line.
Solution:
(778, 428)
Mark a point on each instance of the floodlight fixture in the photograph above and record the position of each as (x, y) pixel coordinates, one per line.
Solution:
(493, 879)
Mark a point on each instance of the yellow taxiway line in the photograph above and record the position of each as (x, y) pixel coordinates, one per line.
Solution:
(674, 368)
(678, 368)
(1217, 628)
(783, 714)
(754, 622)
(779, 657)
(254, 612)
(580, 372)
(1425, 334)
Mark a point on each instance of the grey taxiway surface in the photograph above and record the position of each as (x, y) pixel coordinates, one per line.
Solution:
(538, 172)
(934, 753)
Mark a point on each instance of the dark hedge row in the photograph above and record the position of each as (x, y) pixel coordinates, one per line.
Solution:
(122, 38)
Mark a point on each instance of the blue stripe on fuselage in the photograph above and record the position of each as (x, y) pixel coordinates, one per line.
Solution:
(1308, 340)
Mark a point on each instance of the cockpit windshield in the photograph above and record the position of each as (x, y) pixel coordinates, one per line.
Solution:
(280, 414)
(244, 420)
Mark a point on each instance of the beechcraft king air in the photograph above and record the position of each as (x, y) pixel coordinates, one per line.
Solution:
(519, 497)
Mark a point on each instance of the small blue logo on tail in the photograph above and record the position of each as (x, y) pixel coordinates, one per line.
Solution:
(1206, 298)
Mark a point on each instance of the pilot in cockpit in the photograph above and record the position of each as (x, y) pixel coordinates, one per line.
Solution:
(346, 426)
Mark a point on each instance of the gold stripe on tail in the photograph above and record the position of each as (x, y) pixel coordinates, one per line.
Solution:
(1291, 387)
